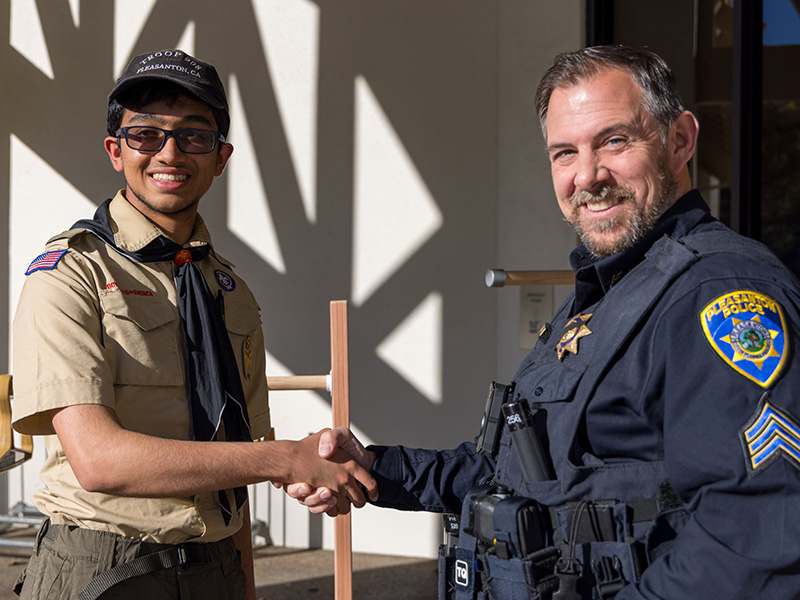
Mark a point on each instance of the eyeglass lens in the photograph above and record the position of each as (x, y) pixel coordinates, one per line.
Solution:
(152, 139)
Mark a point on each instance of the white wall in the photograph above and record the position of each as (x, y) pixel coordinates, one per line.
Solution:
(531, 233)
(386, 153)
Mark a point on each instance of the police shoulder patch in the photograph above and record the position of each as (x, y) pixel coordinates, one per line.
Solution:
(769, 434)
(45, 262)
(748, 331)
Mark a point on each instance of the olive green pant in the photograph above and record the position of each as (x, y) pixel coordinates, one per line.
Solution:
(66, 559)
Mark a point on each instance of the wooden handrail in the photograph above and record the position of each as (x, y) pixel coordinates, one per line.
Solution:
(299, 382)
(502, 278)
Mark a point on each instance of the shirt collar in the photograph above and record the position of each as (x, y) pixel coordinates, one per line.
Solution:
(594, 277)
(133, 231)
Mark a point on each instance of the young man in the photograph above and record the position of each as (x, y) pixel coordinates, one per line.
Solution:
(139, 347)
(663, 393)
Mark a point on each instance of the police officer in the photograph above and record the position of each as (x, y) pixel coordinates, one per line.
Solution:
(141, 349)
(663, 394)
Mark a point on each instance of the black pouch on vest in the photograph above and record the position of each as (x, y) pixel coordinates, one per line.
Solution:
(520, 527)
(515, 556)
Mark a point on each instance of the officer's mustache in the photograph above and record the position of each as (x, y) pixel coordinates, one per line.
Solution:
(585, 196)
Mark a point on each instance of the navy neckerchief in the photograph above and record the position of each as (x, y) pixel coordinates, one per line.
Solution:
(216, 394)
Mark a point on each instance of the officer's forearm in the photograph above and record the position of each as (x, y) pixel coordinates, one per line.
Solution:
(431, 480)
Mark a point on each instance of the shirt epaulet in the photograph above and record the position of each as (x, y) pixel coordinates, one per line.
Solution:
(65, 239)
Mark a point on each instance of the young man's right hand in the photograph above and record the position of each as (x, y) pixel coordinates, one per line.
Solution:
(333, 445)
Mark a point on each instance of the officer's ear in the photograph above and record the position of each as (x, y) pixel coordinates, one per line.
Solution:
(114, 151)
(682, 140)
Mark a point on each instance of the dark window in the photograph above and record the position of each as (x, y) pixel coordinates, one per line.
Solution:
(748, 158)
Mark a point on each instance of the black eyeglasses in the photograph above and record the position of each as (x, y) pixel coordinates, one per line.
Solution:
(152, 139)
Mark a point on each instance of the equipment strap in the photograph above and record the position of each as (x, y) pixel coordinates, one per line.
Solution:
(181, 554)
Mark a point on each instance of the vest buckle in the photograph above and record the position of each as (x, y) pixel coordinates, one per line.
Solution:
(569, 572)
(608, 577)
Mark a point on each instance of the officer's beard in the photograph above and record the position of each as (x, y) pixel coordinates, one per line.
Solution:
(634, 223)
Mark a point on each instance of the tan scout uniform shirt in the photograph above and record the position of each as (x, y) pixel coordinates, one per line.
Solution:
(100, 328)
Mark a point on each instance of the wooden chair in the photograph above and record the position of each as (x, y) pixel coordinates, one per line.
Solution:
(10, 455)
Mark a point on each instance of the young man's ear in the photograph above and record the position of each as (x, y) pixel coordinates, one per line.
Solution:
(114, 151)
(225, 151)
(683, 140)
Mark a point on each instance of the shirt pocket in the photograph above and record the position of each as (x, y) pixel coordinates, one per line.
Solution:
(548, 388)
(241, 318)
(243, 322)
(142, 337)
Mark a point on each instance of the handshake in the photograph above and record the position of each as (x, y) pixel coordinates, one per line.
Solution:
(336, 445)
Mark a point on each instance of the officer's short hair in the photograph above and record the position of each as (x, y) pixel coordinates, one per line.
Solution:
(660, 93)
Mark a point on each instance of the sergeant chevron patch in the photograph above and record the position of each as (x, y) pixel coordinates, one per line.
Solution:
(769, 434)
(747, 330)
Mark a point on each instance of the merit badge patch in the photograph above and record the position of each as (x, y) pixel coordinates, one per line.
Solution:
(748, 331)
(247, 358)
(46, 261)
(769, 434)
(574, 330)
(225, 280)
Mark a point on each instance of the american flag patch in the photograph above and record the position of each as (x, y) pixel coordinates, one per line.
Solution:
(45, 261)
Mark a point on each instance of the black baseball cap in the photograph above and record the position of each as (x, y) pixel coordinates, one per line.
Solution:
(198, 77)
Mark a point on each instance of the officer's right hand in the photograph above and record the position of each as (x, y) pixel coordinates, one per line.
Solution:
(347, 480)
(322, 499)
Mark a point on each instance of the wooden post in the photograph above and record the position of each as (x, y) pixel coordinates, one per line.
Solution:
(340, 401)
(338, 384)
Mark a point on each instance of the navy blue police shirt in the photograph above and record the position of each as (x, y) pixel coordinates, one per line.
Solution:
(707, 386)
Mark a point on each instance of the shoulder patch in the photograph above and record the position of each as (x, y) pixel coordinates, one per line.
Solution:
(46, 261)
(227, 282)
(748, 331)
(769, 434)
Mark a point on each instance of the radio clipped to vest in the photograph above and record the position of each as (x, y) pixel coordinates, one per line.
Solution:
(516, 415)
(524, 438)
